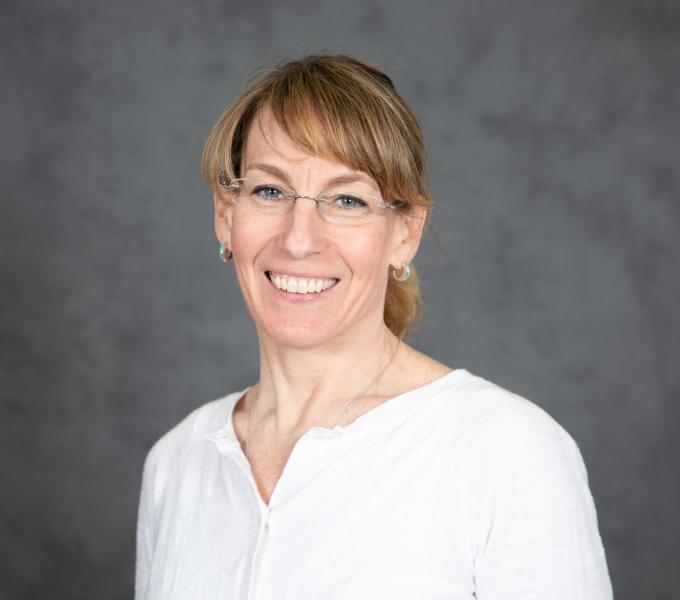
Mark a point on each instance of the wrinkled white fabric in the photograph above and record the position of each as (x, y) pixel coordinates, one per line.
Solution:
(456, 490)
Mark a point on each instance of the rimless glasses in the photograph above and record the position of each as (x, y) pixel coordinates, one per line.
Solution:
(352, 203)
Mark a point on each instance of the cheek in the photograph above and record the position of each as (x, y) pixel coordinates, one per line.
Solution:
(367, 255)
(246, 243)
(246, 240)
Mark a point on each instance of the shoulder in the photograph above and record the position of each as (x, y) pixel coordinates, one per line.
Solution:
(526, 495)
(498, 426)
(480, 403)
(467, 402)
(515, 459)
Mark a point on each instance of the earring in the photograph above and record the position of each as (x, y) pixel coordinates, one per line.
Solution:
(405, 272)
(225, 254)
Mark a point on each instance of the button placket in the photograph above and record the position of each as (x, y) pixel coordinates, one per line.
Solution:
(230, 448)
(261, 548)
(302, 466)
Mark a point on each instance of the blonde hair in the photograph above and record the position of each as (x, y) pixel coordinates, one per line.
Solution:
(342, 109)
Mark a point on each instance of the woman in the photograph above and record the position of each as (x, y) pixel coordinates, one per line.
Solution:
(356, 467)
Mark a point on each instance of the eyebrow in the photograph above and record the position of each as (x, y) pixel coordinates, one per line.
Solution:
(338, 180)
(271, 170)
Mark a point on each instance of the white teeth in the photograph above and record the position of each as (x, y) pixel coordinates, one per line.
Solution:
(299, 285)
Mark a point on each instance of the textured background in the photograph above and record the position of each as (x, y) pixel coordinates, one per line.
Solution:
(551, 268)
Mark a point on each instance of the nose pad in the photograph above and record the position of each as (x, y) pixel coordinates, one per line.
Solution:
(301, 233)
(310, 198)
(305, 205)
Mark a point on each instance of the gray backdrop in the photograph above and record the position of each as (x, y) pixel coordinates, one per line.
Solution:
(551, 268)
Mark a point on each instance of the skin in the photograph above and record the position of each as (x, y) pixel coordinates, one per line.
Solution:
(314, 356)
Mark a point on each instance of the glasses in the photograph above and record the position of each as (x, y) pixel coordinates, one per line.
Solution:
(351, 204)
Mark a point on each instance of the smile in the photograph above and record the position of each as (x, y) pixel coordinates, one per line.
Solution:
(300, 285)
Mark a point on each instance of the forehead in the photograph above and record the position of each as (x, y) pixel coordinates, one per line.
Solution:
(267, 142)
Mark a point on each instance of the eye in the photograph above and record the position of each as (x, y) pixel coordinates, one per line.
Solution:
(268, 193)
(350, 203)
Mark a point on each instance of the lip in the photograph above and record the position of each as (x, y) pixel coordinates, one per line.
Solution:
(300, 298)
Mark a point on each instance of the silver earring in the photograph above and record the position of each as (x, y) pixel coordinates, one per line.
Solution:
(225, 254)
(405, 272)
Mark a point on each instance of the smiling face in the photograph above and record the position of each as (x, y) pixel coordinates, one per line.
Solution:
(305, 281)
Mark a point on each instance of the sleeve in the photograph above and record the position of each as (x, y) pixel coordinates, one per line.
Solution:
(145, 528)
(536, 531)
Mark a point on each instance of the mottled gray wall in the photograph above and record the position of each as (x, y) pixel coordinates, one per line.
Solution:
(552, 267)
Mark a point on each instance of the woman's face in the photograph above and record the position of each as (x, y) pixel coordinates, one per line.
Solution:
(302, 246)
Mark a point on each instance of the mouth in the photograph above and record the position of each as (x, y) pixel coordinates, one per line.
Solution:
(311, 286)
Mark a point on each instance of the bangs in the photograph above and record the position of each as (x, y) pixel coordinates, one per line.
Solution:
(342, 123)
(340, 110)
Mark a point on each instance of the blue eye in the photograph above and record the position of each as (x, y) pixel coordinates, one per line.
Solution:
(267, 192)
(350, 202)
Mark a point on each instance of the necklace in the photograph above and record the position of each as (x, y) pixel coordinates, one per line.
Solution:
(361, 393)
(378, 376)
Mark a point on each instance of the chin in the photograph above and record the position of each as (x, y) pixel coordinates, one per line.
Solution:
(297, 334)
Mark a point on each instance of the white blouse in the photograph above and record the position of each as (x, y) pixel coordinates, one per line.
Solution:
(456, 490)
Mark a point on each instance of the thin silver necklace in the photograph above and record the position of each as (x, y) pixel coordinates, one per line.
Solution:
(378, 376)
(361, 393)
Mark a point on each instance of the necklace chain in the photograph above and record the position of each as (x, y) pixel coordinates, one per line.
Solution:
(361, 393)
(378, 376)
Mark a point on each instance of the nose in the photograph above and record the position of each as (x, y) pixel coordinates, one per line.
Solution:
(301, 233)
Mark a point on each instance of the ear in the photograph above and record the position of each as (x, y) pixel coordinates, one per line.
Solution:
(223, 218)
(408, 233)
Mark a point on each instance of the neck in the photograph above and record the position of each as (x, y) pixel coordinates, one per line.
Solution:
(301, 388)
